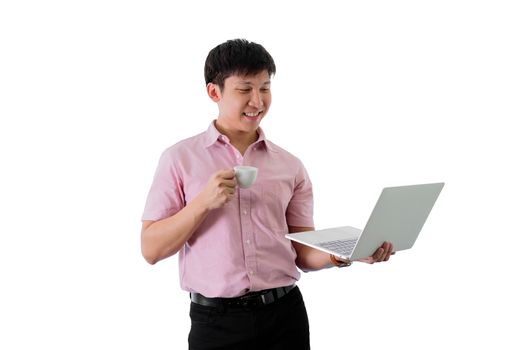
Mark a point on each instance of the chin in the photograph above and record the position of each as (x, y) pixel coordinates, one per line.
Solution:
(249, 129)
(251, 122)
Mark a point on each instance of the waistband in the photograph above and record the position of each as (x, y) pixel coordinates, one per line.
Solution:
(253, 299)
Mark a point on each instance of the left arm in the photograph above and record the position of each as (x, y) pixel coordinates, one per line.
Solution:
(311, 259)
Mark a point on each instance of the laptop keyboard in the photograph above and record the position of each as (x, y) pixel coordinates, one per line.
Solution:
(341, 246)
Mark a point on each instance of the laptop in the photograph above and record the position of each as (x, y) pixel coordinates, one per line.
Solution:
(398, 217)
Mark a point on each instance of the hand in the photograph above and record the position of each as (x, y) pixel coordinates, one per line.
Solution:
(381, 254)
(219, 190)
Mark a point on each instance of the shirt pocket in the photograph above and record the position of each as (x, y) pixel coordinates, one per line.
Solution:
(275, 199)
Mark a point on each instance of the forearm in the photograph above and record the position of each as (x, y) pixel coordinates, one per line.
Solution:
(166, 237)
(310, 259)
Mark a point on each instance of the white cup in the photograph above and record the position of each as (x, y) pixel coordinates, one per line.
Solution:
(246, 175)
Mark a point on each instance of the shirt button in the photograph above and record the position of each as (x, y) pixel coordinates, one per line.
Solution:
(251, 272)
(244, 212)
(248, 241)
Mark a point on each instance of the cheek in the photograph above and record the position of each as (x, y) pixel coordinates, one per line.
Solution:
(267, 101)
(238, 108)
(232, 106)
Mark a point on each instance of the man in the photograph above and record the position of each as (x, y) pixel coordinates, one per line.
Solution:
(234, 260)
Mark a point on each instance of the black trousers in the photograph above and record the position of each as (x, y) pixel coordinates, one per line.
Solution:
(280, 325)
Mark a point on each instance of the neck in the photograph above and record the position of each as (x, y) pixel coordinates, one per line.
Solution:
(240, 139)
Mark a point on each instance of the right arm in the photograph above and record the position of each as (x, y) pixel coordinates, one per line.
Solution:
(164, 238)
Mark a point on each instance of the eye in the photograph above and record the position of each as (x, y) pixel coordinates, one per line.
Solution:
(244, 90)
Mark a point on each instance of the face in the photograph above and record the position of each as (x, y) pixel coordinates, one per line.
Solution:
(243, 101)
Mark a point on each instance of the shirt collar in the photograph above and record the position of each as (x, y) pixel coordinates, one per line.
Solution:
(213, 135)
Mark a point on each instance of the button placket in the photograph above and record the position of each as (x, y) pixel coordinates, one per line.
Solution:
(238, 157)
(247, 232)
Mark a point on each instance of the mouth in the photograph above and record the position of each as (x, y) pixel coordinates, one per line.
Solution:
(253, 115)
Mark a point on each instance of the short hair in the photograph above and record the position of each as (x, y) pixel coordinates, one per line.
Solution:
(238, 56)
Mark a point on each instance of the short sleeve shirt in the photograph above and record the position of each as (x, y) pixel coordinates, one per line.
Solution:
(240, 247)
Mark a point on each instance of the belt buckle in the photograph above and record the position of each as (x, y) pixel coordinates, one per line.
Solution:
(267, 298)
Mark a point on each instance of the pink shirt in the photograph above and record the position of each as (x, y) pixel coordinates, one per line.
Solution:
(240, 247)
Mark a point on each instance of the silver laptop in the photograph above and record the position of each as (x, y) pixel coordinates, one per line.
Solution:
(398, 217)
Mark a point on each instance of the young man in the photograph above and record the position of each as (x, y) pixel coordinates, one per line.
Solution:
(234, 260)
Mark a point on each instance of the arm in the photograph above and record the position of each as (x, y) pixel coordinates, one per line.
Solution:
(164, 238)
(309, 259)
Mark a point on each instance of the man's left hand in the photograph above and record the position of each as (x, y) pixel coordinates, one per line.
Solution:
(381, 254)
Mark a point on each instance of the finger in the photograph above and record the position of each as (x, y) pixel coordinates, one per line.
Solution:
(389, 251)
(387, 248)
(368, 260)
(228, 191)
(378, 254)
(384, 254)
(229, 196)
(226, 174)
(229, 183)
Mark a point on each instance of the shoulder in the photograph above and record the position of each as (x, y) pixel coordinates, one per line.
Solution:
(273, 147)
(283, 154)
(189, 145)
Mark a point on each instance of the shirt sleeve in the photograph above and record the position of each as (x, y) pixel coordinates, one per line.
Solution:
(166, 196)
(300, 208)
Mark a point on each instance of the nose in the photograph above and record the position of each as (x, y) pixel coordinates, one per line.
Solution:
(256, 99)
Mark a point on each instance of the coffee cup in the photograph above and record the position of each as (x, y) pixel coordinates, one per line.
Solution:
(245, 175)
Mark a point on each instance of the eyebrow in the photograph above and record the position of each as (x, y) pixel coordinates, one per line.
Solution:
(250, 83)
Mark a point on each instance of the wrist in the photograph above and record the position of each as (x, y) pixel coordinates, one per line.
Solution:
(339, 263)
(201, 204)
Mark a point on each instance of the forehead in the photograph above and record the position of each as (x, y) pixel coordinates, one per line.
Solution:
(254, 79)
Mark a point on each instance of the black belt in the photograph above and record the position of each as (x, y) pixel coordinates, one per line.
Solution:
(263, 297)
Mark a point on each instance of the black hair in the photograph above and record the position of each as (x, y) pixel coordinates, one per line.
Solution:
(237, 56)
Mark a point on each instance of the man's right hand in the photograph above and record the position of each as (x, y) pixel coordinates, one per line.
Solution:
(219, 190)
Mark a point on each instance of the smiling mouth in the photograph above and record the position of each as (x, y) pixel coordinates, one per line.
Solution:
(252, 115)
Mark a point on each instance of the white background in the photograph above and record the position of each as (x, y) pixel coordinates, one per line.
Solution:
(368, 94)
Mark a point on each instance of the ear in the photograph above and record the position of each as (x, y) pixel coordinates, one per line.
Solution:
(213, 92)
